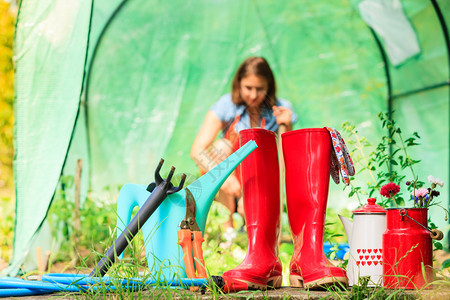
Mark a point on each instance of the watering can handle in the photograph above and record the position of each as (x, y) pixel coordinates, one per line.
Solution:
(435, 234)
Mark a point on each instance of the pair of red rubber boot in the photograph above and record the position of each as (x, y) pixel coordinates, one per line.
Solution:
(307, 154)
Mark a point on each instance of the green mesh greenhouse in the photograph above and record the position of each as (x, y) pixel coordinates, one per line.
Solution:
(122, 83)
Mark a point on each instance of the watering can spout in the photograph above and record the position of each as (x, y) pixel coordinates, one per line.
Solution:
(348, 226)
(206, 187)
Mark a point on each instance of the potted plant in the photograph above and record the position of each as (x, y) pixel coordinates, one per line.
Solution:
(407, 242)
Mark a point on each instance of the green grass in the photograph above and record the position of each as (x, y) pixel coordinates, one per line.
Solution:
(98, 234)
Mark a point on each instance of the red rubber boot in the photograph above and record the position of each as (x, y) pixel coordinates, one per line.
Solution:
(261, 267)
(307, 155)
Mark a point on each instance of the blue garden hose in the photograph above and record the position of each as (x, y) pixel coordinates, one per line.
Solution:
(14, 287)
(204, 189)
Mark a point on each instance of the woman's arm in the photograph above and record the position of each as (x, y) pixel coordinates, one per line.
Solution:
(205, 137)
(201, 154)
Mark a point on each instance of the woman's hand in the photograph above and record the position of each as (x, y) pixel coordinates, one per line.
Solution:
(232, 187)
(282, 115)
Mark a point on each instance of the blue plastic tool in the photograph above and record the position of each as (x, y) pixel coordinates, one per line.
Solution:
(159, 189)
(51, 283)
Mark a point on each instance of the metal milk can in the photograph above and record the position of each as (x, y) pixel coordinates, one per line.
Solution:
(365, 238)
(408, 254)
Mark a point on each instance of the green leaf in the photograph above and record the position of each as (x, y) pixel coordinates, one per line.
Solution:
(400, 201)
(332, 255)
(446, 264)
(381, 181)
(335, 235)
(437, 246)
(393, 162)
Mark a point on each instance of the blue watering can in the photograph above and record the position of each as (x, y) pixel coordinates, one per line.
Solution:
(164, 255)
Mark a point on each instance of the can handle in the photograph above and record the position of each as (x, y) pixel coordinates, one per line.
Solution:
(435, 234)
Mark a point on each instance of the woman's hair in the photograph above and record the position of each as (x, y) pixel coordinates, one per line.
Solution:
(254, 66)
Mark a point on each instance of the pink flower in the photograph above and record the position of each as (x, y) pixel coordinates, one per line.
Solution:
(389, 190)
(420, 192)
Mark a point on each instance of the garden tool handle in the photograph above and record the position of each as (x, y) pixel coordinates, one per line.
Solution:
(158, 193)
(184, 240)
(435, 234)
(198, 254)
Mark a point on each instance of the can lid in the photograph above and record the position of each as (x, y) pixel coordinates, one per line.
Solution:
(370, 207)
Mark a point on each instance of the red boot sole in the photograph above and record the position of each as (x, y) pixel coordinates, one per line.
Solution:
(296, 281)
(272, 283)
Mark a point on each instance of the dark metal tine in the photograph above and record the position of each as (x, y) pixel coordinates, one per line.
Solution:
(176, 189)
(169, 177)
(158, 177)
(183, 179)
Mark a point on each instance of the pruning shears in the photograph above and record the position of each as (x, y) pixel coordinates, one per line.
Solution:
(190, 239)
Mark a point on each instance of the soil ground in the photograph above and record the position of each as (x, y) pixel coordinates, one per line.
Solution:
(282, 293)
